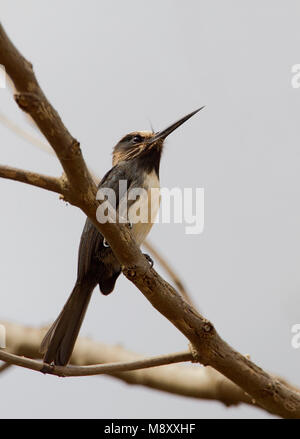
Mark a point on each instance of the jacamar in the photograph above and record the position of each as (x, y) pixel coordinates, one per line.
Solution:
(136, 159)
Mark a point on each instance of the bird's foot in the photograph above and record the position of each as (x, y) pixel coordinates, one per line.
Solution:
(149, 259)
(47, 368)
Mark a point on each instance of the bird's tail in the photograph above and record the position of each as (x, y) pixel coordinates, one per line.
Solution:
(60, 339)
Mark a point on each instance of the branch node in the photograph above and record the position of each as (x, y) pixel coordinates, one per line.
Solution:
(208, 326)
(129, 272)
(27, 101)
(75, 148)
(195, 354)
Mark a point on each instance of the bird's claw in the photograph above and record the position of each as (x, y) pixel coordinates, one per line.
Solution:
(47, 368)
(149, 259)
(105, 243)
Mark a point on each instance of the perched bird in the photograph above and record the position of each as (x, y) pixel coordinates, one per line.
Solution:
(136, 159)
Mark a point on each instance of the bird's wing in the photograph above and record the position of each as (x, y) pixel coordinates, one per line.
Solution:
(91, 244)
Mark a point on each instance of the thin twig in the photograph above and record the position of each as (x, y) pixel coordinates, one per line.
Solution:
(4, 366)
(96, 369)
(34, 140)
(166, 266)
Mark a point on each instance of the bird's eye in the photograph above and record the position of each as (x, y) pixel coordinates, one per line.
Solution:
(137, 139)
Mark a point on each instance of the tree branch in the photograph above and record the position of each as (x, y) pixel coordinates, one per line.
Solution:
(211, 350)
(52, 184)
(188, 381)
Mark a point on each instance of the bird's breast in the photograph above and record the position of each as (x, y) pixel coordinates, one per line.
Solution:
(142, 213)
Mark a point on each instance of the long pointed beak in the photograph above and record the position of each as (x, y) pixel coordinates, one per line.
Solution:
(163, 134)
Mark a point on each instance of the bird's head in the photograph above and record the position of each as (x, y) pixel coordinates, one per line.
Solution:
(142, 143)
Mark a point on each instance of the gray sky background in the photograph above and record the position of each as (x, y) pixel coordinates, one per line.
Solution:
(110, 67)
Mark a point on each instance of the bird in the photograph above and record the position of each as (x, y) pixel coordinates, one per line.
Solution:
(136, 160)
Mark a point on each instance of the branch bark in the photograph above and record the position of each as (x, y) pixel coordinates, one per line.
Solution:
(211, 350)
(52, 184)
